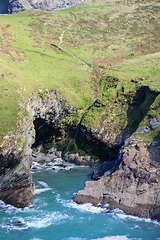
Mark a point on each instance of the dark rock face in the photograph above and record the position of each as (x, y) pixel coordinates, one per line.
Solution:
(10, 6)
(15, 6)
(4, 6)
(46, 111)
(16, 186)
(134, 187)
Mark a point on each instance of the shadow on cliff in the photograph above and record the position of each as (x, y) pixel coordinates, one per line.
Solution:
(80, 139)
(44, 132)
(138, 107)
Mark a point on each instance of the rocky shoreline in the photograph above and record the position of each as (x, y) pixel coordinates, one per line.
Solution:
(16, 185)
(130, 182)
(134, 187)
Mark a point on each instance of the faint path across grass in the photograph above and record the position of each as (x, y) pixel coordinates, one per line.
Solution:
(61, 40)
(62, 34)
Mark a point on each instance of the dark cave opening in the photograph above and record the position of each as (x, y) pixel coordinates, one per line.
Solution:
(50, 134)
(45, 132)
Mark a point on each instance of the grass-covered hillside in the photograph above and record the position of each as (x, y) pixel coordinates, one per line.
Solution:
(102, 50)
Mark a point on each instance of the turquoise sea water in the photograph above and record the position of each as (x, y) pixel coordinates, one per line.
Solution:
(54, 215)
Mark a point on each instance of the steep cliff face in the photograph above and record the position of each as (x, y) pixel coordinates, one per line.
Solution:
(16, 186)
(38, 128)
(46, 112)
(131, 182)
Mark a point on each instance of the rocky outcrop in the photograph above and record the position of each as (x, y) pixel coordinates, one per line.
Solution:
(52, 154)
(46, 112)
(134, 187)
(15, 6)
(42, 123)
(120, 117)
(131, 182)
(16, 186)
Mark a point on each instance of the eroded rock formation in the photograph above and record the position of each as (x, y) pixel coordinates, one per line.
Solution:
(133, 188)
(131, 182)
(45, 113)
(16, 186)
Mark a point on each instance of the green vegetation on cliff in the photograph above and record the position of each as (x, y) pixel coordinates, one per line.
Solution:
(111, 50)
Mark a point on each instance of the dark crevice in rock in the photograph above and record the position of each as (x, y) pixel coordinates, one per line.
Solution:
(7, 162)
(78, 138)
(45, 132)
(88, 143)
(139, 105)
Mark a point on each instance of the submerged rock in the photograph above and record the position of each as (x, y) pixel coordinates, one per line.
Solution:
(134, 187)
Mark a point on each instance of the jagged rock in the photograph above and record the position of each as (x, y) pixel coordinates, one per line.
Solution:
(46, 112)
(134, 187)
(15, 6)
(16, 186)
(79, 160)
(92, 192)
(104, 169)
(154, 123)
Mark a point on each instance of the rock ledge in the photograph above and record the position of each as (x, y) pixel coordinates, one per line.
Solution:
(133, 188)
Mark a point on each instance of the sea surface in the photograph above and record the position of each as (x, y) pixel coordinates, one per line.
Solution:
(54, 215)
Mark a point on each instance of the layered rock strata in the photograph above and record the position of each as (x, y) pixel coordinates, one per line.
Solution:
(45, 113)
(133, 188)
(16, 186)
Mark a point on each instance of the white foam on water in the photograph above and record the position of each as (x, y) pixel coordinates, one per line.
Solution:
(116, 213)
(34, 222)
(87, 207)
(11, 209)
(121, 215)
(58, 164)
(47, 220)
(41, 190)
(113, 238)
(106, 205)
(44, 184)
(75, 238)
(36, 239)
(104, 238)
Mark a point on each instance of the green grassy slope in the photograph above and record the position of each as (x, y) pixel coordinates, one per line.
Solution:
(115, 38)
